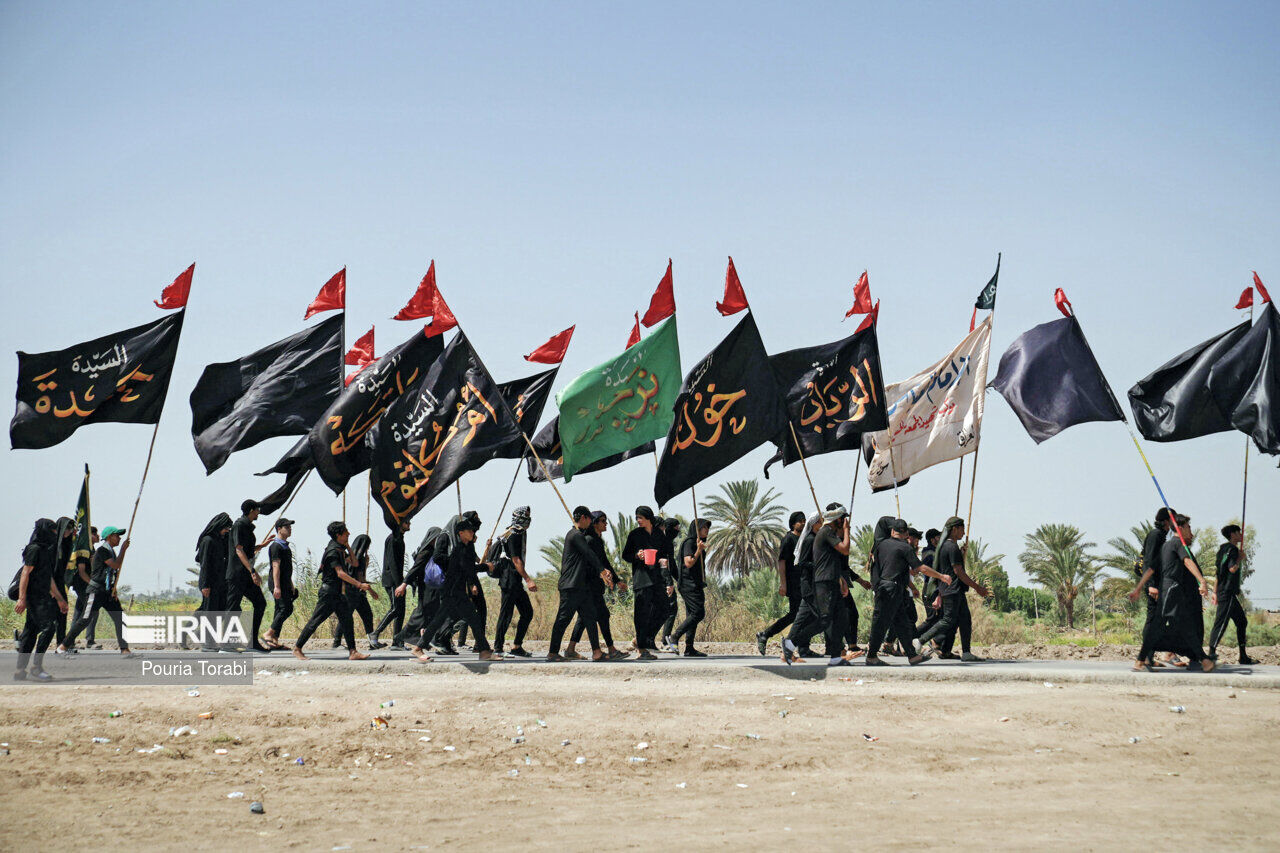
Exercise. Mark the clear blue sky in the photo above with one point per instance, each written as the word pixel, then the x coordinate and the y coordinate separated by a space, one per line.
pixel 551 157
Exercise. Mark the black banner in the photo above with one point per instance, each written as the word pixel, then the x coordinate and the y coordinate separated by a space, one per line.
pixel 453 423
pixel 337 439
pixel 281 389
pixel 118 378
pixel 547 444
pixel 1245 382
pixel 834 393
pixel 1173 403
pixel 526 398
pixel 729 405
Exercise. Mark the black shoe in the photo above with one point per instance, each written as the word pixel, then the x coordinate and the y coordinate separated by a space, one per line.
pixel 337 644
pixel 519 652
pixel 258 647
pixel 806 652
pixel 1245 660
pixel 94 646
pixel 691 652
pixel 446 650
pixel 20 675
pixel 374 644
pixel 400 647
pixel 1213 655
pixel 762 643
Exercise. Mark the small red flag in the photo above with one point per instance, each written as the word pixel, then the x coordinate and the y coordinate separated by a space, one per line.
pixel 973 320
pixel 1064 304
pixel 442 319
pixel 861 297
pixel 1246 298
pixel 735 299
pixel 871 319
pixel 361 352
pixel 332 297
pixel 1262 291
pixel 175 295
pixel 419 305
pixel 552 352
pixel 663 302
pixel 634 337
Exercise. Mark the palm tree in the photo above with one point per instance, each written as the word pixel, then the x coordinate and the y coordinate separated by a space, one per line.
pixel 746 527
pixel 987 571
pixel 860 541
pixel 619 530
pixel 1058 560
pixel 1127 553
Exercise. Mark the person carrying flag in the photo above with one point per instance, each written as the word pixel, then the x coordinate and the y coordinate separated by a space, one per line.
pixel 243 580
pixel 692 566
pixel 105 569
pixel 1148 571
pixel 598 583
pixel 1227 589
pixel 955 606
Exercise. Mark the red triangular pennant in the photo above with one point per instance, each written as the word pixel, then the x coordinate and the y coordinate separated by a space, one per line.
pixel 1064 304
pixel 361 352
pixel 332 297
pixel 735 299
pixel 634 337
pixel 1262 291
pixel 1246 298
pixel 873 316
pixel 861 297
pixel 176 294
pixel 442 319
pixel 552 352
pixel 973 320
pixel 419 305
pixel 663 302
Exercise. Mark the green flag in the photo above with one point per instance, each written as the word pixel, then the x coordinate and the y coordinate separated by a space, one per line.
pixel 987 297
pixel 623 403
pixel 84 547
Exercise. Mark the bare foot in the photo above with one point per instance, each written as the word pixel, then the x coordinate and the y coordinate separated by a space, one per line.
pixel 597 655
pixel 357 656
pixel 555 658
pixel 853 654
pixel 422 656
pixel 297 653
pixel 1208 665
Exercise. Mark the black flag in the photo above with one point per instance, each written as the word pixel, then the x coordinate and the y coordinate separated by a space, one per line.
pixel 1173 403
pixel 1245 382
pixel 453 423
pixel 281 389
pixel 337 438
pixel 729 405
pixel 547 445
pixel 526 398
pixel 120 378
pixel 1051 380
pixel 834 393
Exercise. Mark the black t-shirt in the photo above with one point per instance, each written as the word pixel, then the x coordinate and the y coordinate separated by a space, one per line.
pixel 829 565
pixel 242 536
pixel 949 558
pixel 597 548
pixel 333 559
pixel 41 561
pixel 578 561
pixel 787 556
pixel 695 576
pixel 283 553
pixel 393 560
pixel 895 559
pixel 1173 568
pixel 639 540
pixel 513 547
pixel 101 576
pixel 1228 581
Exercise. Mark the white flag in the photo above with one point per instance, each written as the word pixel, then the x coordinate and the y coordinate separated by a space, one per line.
pixel 935 415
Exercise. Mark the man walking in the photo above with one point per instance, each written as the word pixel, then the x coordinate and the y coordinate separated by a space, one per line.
pixel 280 556
pixel 80 586
pixel 391 579
pixel 1227 588
pixel 788 581
pixel 514 583
pixel 955 606
pixel 335 570
pixel 243 580
pixel 896 560
pixel 105 570
pixel 577 562
pixel 39 599
pixel 830 568
pixel 1148 571
pixel 692 566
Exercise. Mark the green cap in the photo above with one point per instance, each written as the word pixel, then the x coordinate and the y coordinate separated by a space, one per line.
pixel 111 531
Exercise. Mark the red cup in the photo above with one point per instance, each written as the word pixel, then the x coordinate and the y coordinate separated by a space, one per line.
pixel 650 556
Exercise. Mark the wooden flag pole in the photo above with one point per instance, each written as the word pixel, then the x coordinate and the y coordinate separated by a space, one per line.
pixel 1244 496
pixel 853 492
pixel 289 502
pixel 458 487
pixel 893 466
pixel 805 466
pixel 505 500
pixel 368 504
pixel 959 481
pixel 547 474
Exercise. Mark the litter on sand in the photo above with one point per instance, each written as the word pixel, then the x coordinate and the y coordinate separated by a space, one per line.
pixel 869 738
pixel 235 795
pixel 1178 709
pixel 581 759
pixel 1003 720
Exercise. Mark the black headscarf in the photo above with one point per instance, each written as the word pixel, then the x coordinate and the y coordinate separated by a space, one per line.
pixel 66 544
pixel 425 548
pixel 806 539
pixel 360 547
pixel 692 532
pixel 214 528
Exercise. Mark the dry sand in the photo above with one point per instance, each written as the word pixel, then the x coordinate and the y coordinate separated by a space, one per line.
pixel 741 760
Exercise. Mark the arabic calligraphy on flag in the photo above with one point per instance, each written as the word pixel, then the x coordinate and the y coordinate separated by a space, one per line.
pixel 934 416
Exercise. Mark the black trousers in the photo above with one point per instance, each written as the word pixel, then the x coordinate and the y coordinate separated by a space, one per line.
pixel 601 608
pixel 455 606
pixel 793 608
pixel 37 630
pixel 851 620
pixel 81 590
pixel 394 616
pixel 953 606
pixel 359 601
pixel 648 614
pixel 574 602
pixel 964 626
pixel 482 608
pixel 833 614
pixel 513 601
pixel 237 591
pixel 1228 611
pixel 331 602
pixel 98 600
pixel 215 601
pixel 695 610
pixel 889 618
pixel 413 625
pixel 808 623
pixel 283 609
pixel 59 625
pixel 672 610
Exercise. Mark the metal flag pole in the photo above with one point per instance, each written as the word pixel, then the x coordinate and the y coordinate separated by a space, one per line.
pixel 1244 496
pixel 973 474
pixel 804 465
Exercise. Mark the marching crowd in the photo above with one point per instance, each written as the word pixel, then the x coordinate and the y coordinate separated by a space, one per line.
pixel 667 565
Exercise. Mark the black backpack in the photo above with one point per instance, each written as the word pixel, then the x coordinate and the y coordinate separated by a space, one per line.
pixel 496 555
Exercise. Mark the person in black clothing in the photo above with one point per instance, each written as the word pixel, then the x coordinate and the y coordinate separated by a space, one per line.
pixel 79 576
pixel 1181 588
pixel 514 583
pixel 788 581
pixel 242 578
pixel 645 550
pixel 336 564
pixel 39 599
pixel 105 568
pixel 577 563
pixel 414 579
pixel 955 606
pixel 1227 590
pixel 475 591
pixel 692 577
pixel 391 579
pixel 830 567
pixel 455 553
pixel 598 584
pixel 850 605
pixel 929 597
pixel 1148 571
pixel 357 595
pixel 671 538
pixel 896 560
pixel 283 591
pixel 66 542
pixel 795 647
pixel 211 557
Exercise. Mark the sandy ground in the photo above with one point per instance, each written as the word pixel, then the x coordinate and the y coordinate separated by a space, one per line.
pixel 742 760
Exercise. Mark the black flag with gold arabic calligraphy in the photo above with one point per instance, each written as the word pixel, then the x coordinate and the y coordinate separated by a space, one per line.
pixel 729 405
pixel 337 439
pixel 453 423
pixel 118 378
pixel 547 445
pixel 834 393
pixel 526 398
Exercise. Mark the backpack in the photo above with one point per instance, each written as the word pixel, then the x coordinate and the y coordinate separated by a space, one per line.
pixel 16 585
pixel 496 556
pixel 432 575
